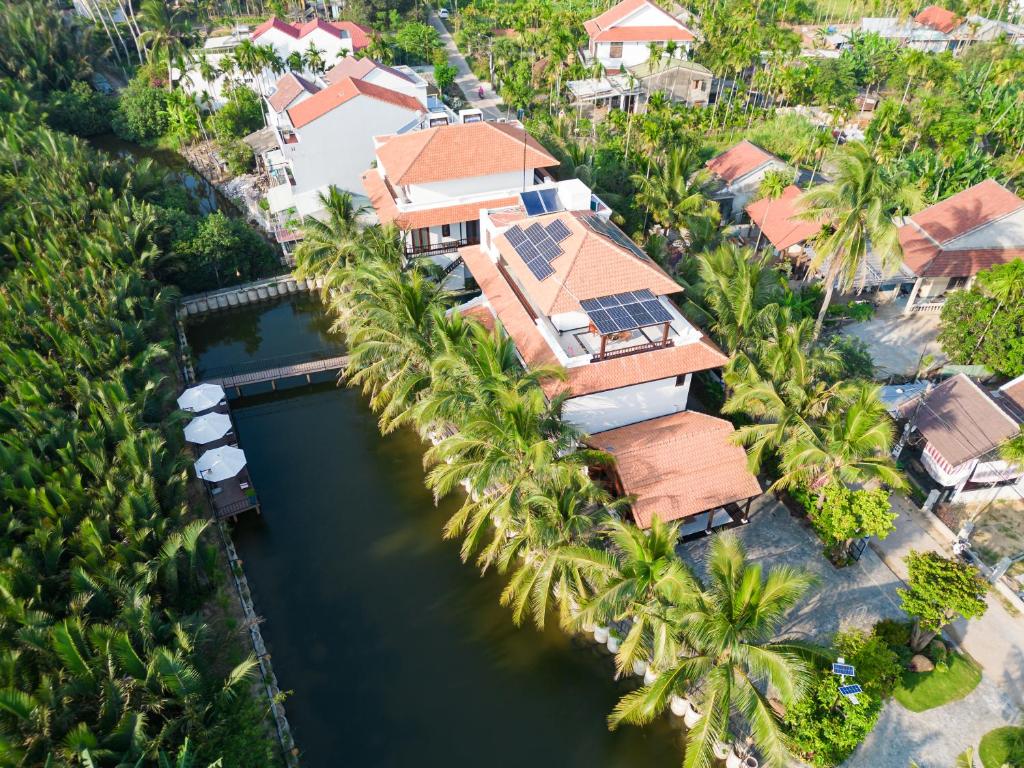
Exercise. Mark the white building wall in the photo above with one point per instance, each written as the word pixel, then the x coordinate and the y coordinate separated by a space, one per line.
pixel 632 54
pixel 448 191
pixel 627 405
pixel 337 148
pixel 386 79
pixel 745 188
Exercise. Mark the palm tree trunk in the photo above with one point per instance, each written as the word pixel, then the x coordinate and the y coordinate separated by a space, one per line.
pixel 97 13
pixel 829 287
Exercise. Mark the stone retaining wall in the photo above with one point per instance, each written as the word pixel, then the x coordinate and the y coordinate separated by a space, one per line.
pixel 243 295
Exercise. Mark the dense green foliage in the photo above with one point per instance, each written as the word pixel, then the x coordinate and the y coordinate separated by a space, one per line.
pixel 939 590
pixel 826 727
pixel 105 653
pixel 985 325
pixel 840 515
pixel 141 114
pixel 1002 746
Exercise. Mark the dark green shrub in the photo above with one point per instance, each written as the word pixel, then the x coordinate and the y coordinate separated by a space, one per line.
pixel 241 114
pixel 140 115
pixel 894 633
pixel 81 110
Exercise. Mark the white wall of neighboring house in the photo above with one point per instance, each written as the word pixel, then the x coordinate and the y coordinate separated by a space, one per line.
pixel 385 79
pixel 637 52
pixel 627 405
pixel 451 191
pixel 744 189
pixel 337 147
pixel 329 45
pixel 975 471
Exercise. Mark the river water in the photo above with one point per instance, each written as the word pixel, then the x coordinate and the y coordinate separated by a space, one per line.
pixel 395 653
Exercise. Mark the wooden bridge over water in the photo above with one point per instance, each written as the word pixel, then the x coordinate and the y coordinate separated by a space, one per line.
pixel 274 370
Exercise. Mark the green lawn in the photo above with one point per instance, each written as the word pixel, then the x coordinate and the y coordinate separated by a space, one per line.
pixel 1003 746
pixel 926 690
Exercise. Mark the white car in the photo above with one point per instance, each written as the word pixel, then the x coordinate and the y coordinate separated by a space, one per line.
pixel 442 13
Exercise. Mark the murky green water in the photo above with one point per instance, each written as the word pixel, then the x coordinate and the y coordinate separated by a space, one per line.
pixel 396 654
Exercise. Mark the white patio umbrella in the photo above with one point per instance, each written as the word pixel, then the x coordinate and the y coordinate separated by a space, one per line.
pixel 220 463
pixel 201 397
pixel 207 428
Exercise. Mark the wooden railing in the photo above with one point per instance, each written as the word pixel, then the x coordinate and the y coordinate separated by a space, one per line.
pixel 236 507
pixel 647 347
pixel 438 249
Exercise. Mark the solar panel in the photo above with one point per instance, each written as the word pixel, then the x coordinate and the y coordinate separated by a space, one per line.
pixel 515 236
pixel 625 311
pixel 532 203
pixel 558 231
pixel 608 230
pixel 549 197
pixel 540 268
pixel 850 690
pixel 846 670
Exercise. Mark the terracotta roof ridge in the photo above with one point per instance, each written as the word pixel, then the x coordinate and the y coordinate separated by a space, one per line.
pixel 980 226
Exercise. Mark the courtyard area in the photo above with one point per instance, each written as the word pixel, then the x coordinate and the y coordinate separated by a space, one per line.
pixel 898 343
pixel 860 595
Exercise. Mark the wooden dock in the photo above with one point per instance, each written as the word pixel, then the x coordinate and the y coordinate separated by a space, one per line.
pixel 273 375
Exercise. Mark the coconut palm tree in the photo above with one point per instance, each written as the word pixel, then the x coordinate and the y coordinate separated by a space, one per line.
pixel 731 662
pixel 676 193
pixel 856 210
pixel 165 30
pixel 330 244
pixel 314 59
pixel 637 578
pixel 851 445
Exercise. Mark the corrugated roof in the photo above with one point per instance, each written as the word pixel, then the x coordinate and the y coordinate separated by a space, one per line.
pixel 775 218
pixel 740 160
pixel 593 377
pixel 344 90
pixel 678 465
pixel 962 422
pixel 460 151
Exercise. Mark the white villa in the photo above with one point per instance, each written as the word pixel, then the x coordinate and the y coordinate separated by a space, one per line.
pixel 433 183
pixel 571 289
pixel 328 37
pixel 621 36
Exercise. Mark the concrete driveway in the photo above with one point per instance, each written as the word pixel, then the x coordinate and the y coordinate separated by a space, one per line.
pixel 898 342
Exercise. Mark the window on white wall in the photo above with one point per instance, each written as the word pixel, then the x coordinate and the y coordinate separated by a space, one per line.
pixel 615 51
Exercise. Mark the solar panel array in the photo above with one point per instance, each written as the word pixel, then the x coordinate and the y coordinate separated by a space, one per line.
pixel 538 245
pixel 846 670
pixel 540 201
pixel 606 229
pixel 625 311
pixel 850 690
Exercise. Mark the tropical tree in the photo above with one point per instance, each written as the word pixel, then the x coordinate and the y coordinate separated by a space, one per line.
pixel 164 34
pixel 676 193
pixel 855 208
pixel 330 244
pixel 731 662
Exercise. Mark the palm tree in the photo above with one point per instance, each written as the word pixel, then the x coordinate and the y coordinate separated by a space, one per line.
pixel 726 630
pixel 737 288
pixel 164 34
pixel 330 244
pixel 638 578
pixel 675 193
pixel 852 444
pixel 314 58
pixel 855 207
pixel 1012 451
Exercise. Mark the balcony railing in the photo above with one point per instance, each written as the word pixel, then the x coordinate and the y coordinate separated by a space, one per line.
pixel 635 349
pixel 438 249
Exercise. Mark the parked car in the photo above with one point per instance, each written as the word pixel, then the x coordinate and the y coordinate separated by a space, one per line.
pixel 443 13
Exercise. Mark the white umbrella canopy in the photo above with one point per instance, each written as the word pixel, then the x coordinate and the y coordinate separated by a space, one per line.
pixel 207 428
pixel 220 463
pixel 201 397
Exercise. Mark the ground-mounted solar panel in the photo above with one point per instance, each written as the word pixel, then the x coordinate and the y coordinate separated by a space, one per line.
pixel 515 236
pixel 850 690
pixel 846 670
pixel 558 231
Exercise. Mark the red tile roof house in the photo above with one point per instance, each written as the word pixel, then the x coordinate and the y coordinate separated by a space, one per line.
pixel 324 136
pixel 777 224
pixel 433 183
pixel 329 37
pixel 737 174
pixel 571 289
pixel 621 36
pixel 946 245
pixel 959 428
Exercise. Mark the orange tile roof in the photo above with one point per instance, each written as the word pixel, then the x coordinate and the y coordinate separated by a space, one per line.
pixel 938 18
pixel 460 151
pixel 926 235
pixel 739 160
pixel 388 212
pixel 775 219
pixel 346 89
pixel 592 377
pixel 350 66
pixel 359 34
pixel 591 266
pixel 287 90
pixel 603 29
pixel 678 465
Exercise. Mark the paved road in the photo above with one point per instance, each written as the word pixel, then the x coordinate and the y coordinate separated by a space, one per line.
pixel 491 104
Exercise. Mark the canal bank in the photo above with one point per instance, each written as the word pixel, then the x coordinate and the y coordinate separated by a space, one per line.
pixel 395 652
